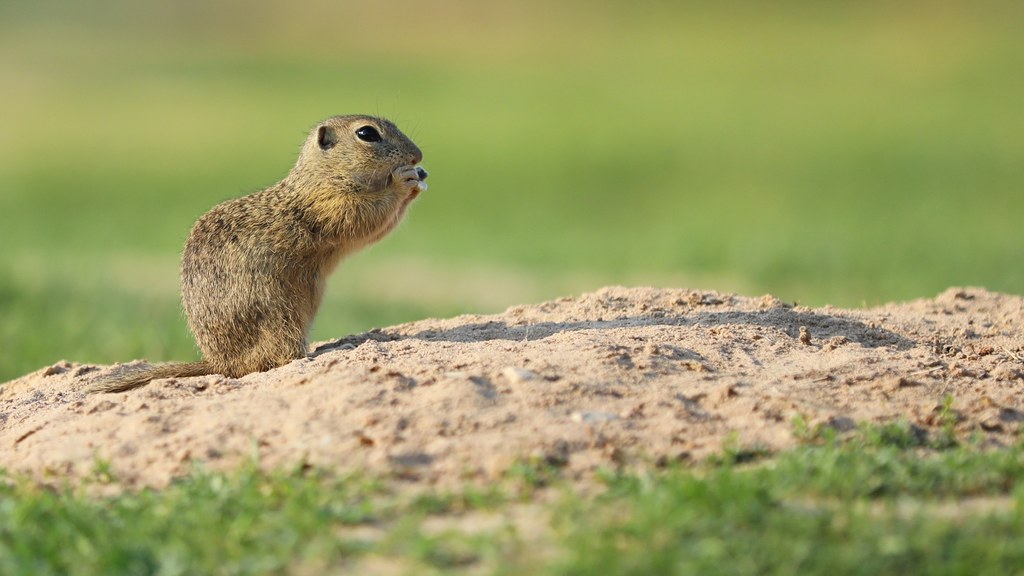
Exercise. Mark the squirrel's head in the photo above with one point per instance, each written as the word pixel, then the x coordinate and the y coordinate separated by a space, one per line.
pixel 362 150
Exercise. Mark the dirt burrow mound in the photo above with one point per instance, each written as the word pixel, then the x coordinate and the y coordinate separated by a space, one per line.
pixel 620 376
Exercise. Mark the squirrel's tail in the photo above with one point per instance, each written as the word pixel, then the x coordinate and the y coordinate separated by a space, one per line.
pixel 122 380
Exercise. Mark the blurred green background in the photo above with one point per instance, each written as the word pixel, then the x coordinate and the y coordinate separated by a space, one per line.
pixel 825 152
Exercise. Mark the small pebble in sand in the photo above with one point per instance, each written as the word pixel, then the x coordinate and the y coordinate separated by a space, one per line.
pixel 593 417
pixel 517 375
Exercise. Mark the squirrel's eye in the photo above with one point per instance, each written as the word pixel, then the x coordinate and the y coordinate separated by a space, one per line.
pixel 368 134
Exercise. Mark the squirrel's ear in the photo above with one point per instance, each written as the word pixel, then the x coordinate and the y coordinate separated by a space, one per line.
pixel 326 137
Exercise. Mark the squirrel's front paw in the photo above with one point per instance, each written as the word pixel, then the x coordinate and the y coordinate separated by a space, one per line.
pixel 412 177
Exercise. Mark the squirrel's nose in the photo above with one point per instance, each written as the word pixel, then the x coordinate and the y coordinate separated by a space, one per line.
pixel 421 173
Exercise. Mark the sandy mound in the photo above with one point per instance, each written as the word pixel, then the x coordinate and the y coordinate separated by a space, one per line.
pixel 615 377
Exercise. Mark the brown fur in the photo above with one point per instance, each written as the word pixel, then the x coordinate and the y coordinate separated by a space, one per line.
pixel 254 268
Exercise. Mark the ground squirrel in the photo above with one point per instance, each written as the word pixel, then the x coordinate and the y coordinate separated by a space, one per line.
pixel 254 268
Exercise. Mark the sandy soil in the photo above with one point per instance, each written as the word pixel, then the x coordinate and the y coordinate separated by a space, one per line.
pixel 618 377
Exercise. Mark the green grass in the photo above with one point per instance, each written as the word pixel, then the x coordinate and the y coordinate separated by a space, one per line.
pixel 815 511
pixel 877 503
pixel 823 152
